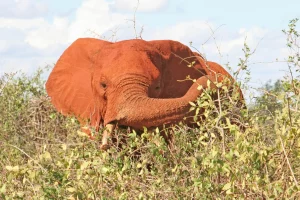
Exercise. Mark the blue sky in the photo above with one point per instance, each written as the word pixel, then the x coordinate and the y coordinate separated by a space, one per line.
pixel 34 33
pixel 233 13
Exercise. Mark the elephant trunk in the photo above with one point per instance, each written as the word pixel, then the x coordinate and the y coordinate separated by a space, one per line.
pixel 142 111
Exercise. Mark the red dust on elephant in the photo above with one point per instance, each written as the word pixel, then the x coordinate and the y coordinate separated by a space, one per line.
pixel 131 83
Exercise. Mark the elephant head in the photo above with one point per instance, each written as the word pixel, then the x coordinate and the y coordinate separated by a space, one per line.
pixel 132 83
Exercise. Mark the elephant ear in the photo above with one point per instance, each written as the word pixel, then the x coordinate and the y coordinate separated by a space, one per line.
pixel 70 82
pixel 177 58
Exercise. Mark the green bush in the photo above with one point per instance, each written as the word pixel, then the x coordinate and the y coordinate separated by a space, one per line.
pixel 234 153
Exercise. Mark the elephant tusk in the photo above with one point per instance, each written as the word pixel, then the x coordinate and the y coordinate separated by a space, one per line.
pixel 109 128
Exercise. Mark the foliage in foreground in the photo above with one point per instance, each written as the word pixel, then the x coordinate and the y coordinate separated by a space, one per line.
pixel 45 156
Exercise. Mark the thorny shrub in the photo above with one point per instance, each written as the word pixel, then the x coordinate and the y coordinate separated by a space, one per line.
pixel 234 152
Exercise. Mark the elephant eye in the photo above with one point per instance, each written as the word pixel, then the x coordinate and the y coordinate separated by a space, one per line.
pixel 103 85
pixel 157 88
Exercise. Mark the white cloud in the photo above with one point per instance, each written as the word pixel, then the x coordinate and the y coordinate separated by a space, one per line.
pixel 27 65
pixel 21 24
pixel 22 8
pixel 184 31
pixel 143 5
pixel 28 43
pixel 31 42
pixel 49 34
pixel 252 37
pixel 93 15
pixel 226 46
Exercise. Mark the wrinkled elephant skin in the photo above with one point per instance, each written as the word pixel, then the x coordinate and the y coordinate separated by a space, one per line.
pixel 132 83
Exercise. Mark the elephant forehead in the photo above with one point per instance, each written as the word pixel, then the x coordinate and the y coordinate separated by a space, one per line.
pixel 134 44
pixel 118 63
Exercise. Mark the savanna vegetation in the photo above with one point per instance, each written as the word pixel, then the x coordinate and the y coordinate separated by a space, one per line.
pixel 234 153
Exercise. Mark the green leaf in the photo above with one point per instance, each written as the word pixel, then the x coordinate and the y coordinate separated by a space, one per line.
pixel 141 196
pixel 64 147
pixel 104 170
pixel 200 87
pixel 3 189
pixel 219 85
pixel 71 189
pixel 139 165
pixel 208 83
pixel 192 103
pixel 84 165
pixel 174 169
pixel 82 134
pixel 47 155
pixel 227 186
pixel 157 130
pixel 12 168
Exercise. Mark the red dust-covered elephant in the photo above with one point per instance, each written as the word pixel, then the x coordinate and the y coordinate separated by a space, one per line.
pixel 131 83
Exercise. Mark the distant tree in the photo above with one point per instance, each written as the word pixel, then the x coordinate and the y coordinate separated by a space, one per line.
pixel 268 96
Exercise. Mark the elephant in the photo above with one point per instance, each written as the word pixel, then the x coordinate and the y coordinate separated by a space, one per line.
pixel 130 83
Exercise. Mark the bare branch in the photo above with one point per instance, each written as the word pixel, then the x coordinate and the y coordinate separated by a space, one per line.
pixel 288 162
pixel 134 23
